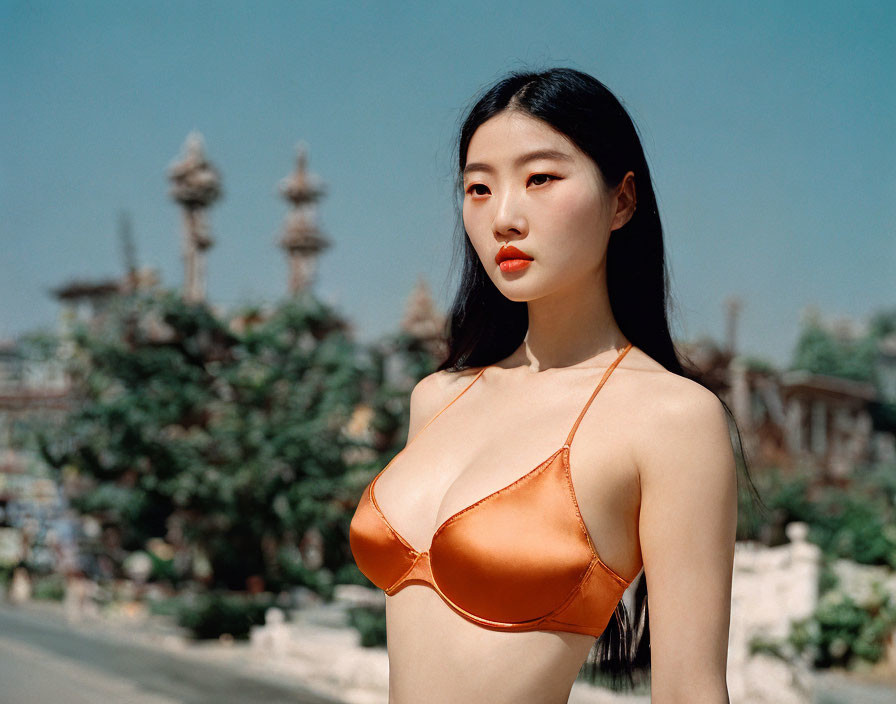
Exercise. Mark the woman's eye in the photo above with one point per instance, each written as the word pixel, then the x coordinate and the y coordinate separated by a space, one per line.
pixel 541 180
pixel 546 177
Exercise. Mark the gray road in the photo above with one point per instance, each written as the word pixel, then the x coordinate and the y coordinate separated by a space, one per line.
pixel 44 660
pixel 836 689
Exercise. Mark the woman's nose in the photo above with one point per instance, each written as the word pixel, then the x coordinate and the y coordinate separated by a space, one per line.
pixel 509 215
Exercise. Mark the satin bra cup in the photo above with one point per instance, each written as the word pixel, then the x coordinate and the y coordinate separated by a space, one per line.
pixel 518 559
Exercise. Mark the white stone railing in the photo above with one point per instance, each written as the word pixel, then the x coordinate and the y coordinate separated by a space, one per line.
pixel 771 587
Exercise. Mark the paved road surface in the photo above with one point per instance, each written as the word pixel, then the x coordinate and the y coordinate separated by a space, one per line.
pixel 836 689
pixel 42 660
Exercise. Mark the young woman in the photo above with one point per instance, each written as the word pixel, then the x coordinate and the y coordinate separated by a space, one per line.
pixel 505 533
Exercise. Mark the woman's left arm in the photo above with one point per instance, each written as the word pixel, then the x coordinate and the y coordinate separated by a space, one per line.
pixel 687 527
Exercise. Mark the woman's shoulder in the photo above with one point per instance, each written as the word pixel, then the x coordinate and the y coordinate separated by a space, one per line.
pixel 678 416
pixel 663 391
pixel 671 406
pixel 435 390
pixel 437 384
pixel 678 396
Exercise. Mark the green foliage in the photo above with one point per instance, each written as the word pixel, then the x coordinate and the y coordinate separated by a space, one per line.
pixel 856 527
pixel 162 569
pixel 857 522
pixel 820 352
pixel 166 606
pixel 237 428
pixel 128 503
pixel 882 323
pixel 786 498
pixel 39 345
pixel 370 623
pixel 350 574
pixel 49 587
pixel 758 364
pixel 294 572
pixel 215 614
pixel 841 631
pixel 391 401
pixel 883 414
pixel 769 646
pixel 5 575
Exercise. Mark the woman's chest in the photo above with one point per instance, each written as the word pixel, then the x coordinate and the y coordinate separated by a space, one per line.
pixel 524 482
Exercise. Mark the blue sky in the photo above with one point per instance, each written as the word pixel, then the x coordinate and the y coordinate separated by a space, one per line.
pixel 769 128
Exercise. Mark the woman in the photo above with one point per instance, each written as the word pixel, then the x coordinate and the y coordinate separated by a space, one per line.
pixel 503 553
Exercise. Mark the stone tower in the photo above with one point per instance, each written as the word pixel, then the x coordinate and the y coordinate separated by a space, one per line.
pixel 195 184
pixel 733 306
pixel 301 239
pixel 423 321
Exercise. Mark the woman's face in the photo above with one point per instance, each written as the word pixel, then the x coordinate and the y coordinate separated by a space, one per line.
pixel 528 185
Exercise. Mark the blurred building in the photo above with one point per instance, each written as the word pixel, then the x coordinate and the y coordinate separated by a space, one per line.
pixel 34 390
pixel 795 417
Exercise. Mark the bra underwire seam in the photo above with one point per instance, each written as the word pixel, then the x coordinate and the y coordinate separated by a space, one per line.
pixel 563 604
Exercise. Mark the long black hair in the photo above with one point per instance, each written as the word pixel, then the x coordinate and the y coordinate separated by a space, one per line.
pixel 484 326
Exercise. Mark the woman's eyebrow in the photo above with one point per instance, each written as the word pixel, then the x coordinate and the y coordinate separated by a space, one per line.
pixel 531 156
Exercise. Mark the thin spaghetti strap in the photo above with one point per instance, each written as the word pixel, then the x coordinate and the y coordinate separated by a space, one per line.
pixel 594 393
pixel 452 401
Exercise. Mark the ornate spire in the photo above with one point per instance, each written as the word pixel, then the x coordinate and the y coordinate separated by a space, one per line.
pixel 302 239
pixel 195 184
pixel 421 318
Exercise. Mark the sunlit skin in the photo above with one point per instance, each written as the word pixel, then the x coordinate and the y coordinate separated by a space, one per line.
pixel 651 464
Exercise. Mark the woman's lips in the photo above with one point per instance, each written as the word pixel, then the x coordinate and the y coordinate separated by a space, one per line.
pixel 514 264
pixel 512 259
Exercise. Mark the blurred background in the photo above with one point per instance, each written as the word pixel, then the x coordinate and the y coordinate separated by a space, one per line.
pixel 225 260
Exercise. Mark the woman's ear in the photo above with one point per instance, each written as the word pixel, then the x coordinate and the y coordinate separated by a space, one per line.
pixel 626 201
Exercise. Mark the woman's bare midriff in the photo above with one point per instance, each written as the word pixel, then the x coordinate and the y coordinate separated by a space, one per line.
pixel 438 657
pixel 509 424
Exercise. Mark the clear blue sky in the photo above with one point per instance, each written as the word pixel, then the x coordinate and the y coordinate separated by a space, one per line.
pixel 769 127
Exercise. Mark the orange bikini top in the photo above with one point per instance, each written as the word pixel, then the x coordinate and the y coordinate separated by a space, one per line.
pixel 519 559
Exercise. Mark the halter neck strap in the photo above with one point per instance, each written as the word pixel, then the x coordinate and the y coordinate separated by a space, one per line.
pixel 594 393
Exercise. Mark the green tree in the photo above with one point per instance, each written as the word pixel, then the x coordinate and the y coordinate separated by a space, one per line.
pixel 820 352
pixel 237 428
